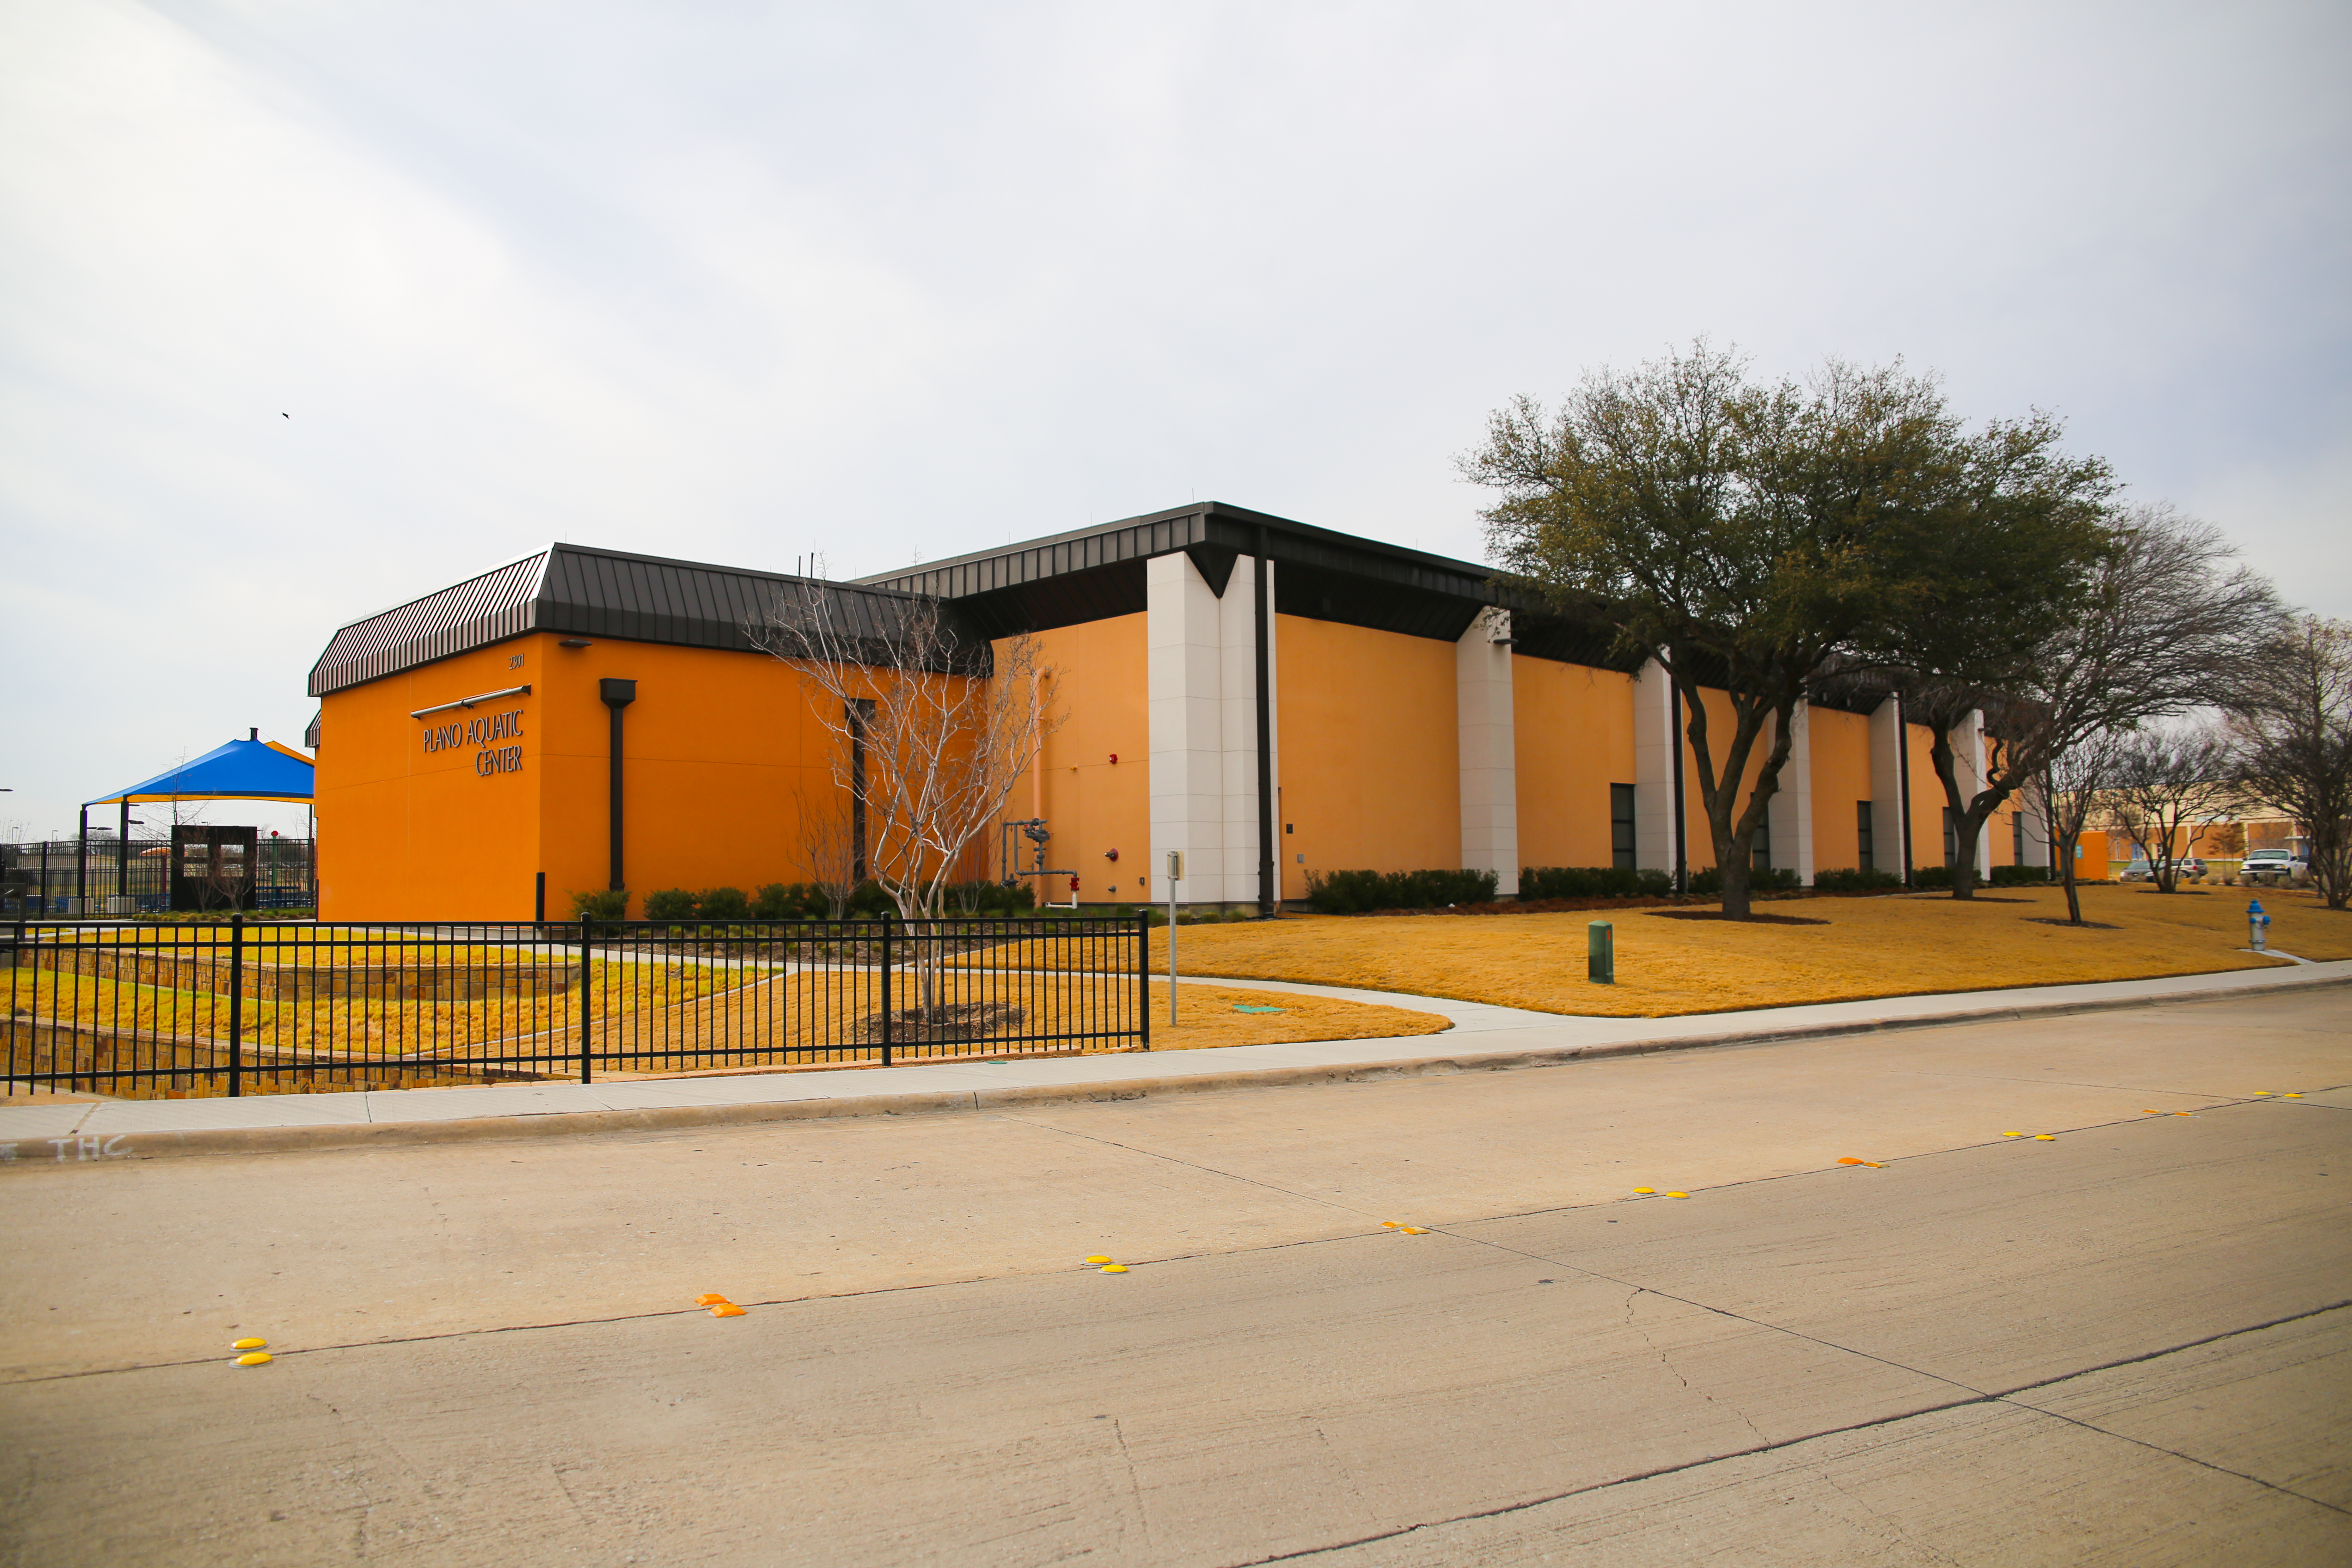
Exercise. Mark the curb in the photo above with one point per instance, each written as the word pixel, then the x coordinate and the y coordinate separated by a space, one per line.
pixel 92 1149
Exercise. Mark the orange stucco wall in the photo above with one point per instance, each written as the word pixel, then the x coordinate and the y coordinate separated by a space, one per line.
pixel 408 834
pixel 720 748
pixel 1371 772
pixel 1840 758
pixel 1095 685
pixel 1573 738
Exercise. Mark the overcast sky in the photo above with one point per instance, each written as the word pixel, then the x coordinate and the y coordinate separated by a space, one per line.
pixel 307 308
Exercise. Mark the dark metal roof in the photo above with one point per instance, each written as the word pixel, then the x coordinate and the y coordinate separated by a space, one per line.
pixel 1097 573
pixel 610 594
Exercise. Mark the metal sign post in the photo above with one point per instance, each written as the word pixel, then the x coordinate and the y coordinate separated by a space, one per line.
pixel 1175 875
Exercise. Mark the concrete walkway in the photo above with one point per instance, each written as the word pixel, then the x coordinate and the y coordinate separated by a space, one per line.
pixel 1483 1038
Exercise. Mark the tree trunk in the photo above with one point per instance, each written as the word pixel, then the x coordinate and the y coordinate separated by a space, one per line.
pixel 1969 816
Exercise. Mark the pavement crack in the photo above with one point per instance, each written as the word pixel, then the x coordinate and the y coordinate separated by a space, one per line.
pixel 1875 1422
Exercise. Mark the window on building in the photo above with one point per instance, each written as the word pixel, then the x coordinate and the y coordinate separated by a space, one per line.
pixel 1951 838
pixel 2017 837
pixel 1760 852
pixel 1865 846
pixel 1621 825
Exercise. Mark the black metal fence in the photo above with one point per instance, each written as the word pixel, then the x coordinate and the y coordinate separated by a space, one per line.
pixel 255 1007
pixel 109 876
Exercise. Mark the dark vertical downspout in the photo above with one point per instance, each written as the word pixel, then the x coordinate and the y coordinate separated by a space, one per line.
pixel 81 866
pixel 1903 781
pixel 122 852
pixel 1269 891
pixel 617 694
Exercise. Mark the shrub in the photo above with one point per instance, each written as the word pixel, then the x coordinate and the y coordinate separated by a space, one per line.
pixel 1763 880
pixel 1352 893
pixel 2019 875
pixel 723 904
pixel 1855 880
pixel 602 904
pixel 1593 882
pixel 990 897
pixel 781 902
pixel 670 904
pixel 1931 876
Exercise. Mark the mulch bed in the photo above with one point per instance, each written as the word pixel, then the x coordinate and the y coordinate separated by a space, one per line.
pixel 1742 920
pixel 2070 925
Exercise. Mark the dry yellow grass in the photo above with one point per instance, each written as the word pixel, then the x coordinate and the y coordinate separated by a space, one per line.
pixel 1869 947
pixel 1206 1017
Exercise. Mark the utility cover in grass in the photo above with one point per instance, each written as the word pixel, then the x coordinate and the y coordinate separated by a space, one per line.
pixel 1245 1007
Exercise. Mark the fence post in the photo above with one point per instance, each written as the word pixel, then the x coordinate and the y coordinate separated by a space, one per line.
pixel 888 920
pixel 587 1004
pixel 236 1006
pixel 1143 971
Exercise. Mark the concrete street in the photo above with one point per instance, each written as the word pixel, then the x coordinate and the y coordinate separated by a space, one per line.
pixel 2131 1345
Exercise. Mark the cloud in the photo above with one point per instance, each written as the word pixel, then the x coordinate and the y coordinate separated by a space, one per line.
pixel 738 282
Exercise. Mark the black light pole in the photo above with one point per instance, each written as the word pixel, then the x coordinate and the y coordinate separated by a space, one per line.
pixel 1269 889
pixel 122 853
pixel 617 694
pixel 81 866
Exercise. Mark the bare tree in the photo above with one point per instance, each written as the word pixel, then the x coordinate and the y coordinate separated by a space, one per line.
pixel 2169 785
pixel 2073 776
pixel 930 729
pixel 829 846
pixel 2167 624
pixel 2294 729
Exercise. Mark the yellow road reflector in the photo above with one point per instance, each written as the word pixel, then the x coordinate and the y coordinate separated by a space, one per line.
pixel 1850 1160
pixel 2043 1138
pixel 1412 1230
pixel 2260 1093
pixel 2150 1111
pixel 2182 1113
pixel 248 1344
pixel 1873 1164
pixel 2293 1095
pixel 1097 1257
pixel 1113 1268
pixel 1651 1192
pixel 1389 1224
pixel 1677 1194
pixel 712 1299
pixel 254 1358
pixel 727 1309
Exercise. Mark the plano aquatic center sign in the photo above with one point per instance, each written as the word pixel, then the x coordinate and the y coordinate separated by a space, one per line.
pixel 484 731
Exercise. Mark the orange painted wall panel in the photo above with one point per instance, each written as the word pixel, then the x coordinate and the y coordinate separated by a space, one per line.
pixel 1840 755
pixel 716 747
pixel 1372 771
pixel 1096 683
pixel 406 833
pixel 1574 738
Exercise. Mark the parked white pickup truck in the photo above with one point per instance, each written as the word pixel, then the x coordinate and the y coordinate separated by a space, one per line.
pixel 2274 868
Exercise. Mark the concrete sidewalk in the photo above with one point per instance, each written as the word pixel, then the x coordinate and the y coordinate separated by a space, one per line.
pixel 1483 1038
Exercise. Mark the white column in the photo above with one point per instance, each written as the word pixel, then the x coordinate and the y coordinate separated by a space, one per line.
pixel 1486 738
pixel 1657 746
pixel 1184 656
pixel 2035 809
pixel 1201 652
pixel 1886 823
pixel 1791 810
pixel 1968 768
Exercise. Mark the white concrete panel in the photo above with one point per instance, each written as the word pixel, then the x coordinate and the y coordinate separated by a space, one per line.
pixel 1202 702
pixel 1790 812
pixel 1887 820
pixel 1487 742
pixel 1656 744
pixel 1968 768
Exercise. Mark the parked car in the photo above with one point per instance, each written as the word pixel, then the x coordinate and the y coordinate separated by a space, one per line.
pixel 2274 866
pixel 2188 868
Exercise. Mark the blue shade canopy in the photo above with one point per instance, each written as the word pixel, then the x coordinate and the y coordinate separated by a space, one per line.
pixel 240 770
